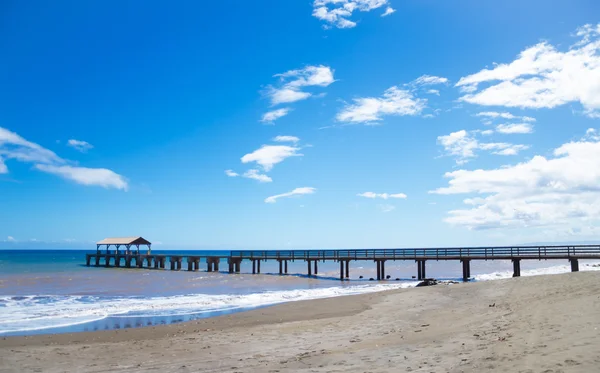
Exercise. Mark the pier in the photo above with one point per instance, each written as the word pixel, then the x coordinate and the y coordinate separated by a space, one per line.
pixel 420 256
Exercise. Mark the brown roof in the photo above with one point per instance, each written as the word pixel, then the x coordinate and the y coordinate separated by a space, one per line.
pixel 124 241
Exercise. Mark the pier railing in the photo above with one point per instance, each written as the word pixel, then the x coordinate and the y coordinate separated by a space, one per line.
pixel 506 252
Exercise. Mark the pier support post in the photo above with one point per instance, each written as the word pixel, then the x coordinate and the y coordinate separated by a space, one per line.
pixel 378 269
pixel 190 265
pixel 238 264
pixel 341 270
pixel 97 260
pixel 516 267
pixel 172 264
pixel 253 266
pixel 574 265
pixel 280 267
pixel 156 263
pixel 466 269
pixel 309 268
pixel 258 267
pixel 421 270
pixel 316 268
pixel 383 269
pixel 162 262
pixel 285 267
pixel 347 269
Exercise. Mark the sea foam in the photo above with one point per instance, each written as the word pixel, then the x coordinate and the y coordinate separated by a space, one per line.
pixel 21 314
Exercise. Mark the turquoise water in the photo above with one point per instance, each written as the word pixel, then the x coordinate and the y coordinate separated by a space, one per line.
pixel 52 291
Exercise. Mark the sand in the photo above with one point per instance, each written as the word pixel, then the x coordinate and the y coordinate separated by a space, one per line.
pixel 534 324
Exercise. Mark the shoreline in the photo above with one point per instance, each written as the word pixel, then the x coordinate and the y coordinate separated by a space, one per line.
pixel 195 305
pixel 540 323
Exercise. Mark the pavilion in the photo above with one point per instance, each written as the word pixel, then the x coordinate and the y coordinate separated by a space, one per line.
pixel 123 241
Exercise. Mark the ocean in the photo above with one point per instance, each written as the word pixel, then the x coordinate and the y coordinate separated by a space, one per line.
pixel 52 291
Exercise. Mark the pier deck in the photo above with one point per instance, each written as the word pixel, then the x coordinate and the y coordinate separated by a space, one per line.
pixel 572 253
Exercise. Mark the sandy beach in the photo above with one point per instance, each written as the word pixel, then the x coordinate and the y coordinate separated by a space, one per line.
pixel 529 324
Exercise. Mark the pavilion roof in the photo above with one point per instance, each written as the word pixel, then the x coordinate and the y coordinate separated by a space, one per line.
pixel 124 241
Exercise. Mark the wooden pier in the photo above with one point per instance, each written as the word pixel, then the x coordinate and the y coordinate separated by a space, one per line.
pixel 234 259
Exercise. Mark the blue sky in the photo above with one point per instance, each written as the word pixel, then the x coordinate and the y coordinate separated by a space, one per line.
pixel 299 124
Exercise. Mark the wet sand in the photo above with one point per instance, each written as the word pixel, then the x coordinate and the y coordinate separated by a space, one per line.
pixel 534 324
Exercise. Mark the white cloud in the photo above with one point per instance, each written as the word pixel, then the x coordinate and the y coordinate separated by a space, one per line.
pixel 429 80
pixel 459 144
pixel 295 192
pixel 386 207
pixel 321 76
pixel 293 81
pixel 15 147
pixel 514 128
pixel 272 116
pixel 10 239
pixel 389 10
pixel 542 77
pixel 561 190
pixel 503 115
pixel 487 132
pixel 336 13
pixel 287 95
pixel 463 145
pixel 395 101
pixel 293 139
pixel 503 148
pixel 231 173
pixel 82 146
pixel 433 92
pixel 381 195
pixel 87 176
pixel 269 155
pixel 256 175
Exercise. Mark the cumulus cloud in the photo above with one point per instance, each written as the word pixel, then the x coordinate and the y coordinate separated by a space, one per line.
pixel 269 155
pixel 273 115
pixel 231 173
pixel 82 146
pixel 336 13
pixel 542 76
pixel 293 139
pixel 15 147
pixel 381 195
pixel 463 145
pixel 561 190
pixel 86 176
pixel 295 192
pixel 395 101
pixel 514 128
